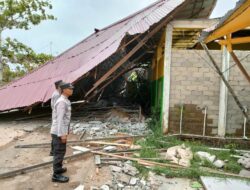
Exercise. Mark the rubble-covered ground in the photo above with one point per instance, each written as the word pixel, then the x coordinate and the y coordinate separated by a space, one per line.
pixel 113 173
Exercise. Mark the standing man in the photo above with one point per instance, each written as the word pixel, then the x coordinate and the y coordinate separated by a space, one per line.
pixel 60 131
pixel 55 96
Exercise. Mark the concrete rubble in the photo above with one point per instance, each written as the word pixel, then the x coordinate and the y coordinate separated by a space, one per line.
pixel 245 173
pixel 180 155
pixel 125 177
pixel 105 129
pixel 245 160
pixel 205 156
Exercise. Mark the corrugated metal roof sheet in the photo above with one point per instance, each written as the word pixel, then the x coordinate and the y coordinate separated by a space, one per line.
pixel 38 85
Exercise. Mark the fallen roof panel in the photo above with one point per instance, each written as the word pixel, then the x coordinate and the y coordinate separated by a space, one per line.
pixel 37 86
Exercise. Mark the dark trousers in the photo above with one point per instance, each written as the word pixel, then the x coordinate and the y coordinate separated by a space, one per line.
pixel 52 146
pixel 59 152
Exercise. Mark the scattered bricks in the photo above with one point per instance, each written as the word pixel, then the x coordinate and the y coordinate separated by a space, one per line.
pixel 116 169
pixel 133 181
pixel 128 169
pixel 123 178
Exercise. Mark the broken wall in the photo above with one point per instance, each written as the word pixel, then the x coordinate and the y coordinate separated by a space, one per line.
pixel 195 85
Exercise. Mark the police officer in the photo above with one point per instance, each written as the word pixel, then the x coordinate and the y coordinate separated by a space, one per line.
pixel 60 131
pixel 55 96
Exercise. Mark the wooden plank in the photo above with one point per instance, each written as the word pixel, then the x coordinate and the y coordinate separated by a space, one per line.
pixel 241 67
pixel 140 161
pixel 47 144
pixel 107 143
pixel 81 148
pixel 82 135
pixel 225 149
pixel 239 40
pixel 29 168
pixel 194 23
pixel 125 70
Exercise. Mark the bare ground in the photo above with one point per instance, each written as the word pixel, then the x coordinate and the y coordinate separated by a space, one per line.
pixel 80 171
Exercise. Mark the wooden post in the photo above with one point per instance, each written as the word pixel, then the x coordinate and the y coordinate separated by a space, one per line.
pixel 166 81
pixel 223 93
pixel 241 67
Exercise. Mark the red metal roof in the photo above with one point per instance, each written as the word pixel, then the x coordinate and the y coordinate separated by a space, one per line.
pixel 38 85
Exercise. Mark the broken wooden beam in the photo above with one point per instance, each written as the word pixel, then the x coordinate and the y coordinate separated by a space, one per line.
pixel 29 168
pixel 47 144
pixel 116 138
pixel 82 135
pixel 139 45
pixel 107 143
pixel 241 67
pixel 139 161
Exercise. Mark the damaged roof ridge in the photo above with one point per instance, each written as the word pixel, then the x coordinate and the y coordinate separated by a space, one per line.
pixel 78 54
pixel 133 15
pixel 81 42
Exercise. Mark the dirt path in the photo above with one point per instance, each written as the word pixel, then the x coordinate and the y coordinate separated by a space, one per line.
pixel 80 171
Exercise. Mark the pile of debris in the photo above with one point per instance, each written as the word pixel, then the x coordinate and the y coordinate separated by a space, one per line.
pixel 205 156
pixel 125 176
pixel 105 129
pixel 181 155
pixel 245 160
pixel 112 122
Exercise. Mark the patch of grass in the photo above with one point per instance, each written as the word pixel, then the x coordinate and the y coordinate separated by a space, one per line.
pixel 192 173
pixel 233 166
pixel 143 170
pixel 148 153
pixel 157 141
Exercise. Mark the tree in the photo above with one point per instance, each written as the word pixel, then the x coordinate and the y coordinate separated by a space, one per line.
pixel 20 56
pixel 20 14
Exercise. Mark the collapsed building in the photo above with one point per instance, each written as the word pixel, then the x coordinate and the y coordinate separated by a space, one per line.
pixel 153 59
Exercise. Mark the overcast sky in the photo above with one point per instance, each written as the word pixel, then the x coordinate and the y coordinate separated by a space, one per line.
pixel 76 19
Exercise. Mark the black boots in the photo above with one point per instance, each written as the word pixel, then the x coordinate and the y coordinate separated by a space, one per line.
pixel 62 170
pixel 57 177
pixel 60 178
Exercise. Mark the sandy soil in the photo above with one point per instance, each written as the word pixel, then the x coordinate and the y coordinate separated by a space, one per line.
pixel 80 171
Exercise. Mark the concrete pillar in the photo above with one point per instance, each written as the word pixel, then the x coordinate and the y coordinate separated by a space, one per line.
pixel 223 93
pixel 167 82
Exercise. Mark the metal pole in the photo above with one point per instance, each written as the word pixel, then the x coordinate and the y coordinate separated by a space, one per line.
pixel 244 130
pixel 181 118
pixel 244 127
pixel 205 121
